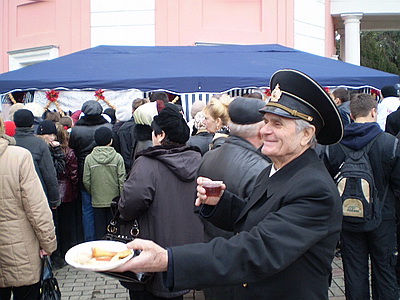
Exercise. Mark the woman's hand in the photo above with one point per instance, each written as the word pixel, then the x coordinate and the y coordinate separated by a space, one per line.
pixel 54 144
pixel 43 253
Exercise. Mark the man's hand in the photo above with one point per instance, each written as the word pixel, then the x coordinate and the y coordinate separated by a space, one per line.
pixel 202 198
pixel 153 258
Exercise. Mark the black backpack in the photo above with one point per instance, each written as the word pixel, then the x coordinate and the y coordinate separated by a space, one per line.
pixel 362 206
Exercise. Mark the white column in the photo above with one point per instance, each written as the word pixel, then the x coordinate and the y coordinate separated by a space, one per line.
pixel 352 37
pixel 342 43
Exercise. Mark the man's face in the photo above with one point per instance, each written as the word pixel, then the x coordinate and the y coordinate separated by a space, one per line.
pixel 281 142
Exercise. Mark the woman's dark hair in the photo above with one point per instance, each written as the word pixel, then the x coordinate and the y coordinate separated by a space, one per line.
pixel 159 96
pixel 157 131
pixel 62 137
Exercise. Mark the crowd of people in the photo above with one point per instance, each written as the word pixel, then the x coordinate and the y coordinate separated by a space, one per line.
pixel 278 219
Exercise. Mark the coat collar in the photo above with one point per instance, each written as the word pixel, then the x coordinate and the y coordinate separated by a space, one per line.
pixel 237 140
pixel 267 186
pixel 165 149
pixel 5 141
pixel 241 142
pixel 20 131
pixel 91 120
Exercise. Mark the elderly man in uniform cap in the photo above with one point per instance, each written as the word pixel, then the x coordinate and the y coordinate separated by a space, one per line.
pixel 288 229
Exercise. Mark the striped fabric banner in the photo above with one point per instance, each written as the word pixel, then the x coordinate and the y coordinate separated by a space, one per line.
pixel 188 99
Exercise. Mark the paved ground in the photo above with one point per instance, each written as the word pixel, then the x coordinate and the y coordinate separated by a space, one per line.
pixel 76 285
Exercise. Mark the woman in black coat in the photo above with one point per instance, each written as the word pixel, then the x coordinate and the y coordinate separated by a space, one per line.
pixel 160 193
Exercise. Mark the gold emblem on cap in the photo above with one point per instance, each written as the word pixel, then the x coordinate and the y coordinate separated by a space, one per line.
pixel 276 94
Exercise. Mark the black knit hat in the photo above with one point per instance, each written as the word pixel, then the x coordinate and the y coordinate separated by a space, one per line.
pixel 46 127
pixel 171 121
pixel 23 118
pixel 103 136
pixel 389 91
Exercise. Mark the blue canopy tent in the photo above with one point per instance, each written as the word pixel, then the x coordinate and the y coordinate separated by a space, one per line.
pixel 185 69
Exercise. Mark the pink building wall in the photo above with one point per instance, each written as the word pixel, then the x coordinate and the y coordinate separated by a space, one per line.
pixel 330 47
pixel 66 24
pixel 27 24
pixel 182 22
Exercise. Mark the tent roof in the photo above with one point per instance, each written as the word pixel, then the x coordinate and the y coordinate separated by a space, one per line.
pixel 185 69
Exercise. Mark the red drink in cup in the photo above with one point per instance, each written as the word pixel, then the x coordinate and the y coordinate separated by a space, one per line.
pixel 213 188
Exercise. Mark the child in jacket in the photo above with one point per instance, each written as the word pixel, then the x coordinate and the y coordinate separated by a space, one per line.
pixel 103 178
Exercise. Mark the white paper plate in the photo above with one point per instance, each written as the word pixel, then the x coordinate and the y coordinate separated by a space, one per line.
pixel 76 252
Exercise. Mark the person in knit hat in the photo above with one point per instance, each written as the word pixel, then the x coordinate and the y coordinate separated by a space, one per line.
pixel 167 218
pixel 103 178
pixel 48 132
pixel 144 115
pixel 110 112
pixel 47 127
pixel 125 139
pixel 43 161
pixel 172 125
pixel 122 115
pixel 13 109
pixel 10 125
pixel 389 104
pixel 37 111
pixel 23 118
pixel 82 141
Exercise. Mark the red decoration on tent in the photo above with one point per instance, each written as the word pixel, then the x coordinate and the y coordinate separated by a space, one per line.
pixel 375 93
pixel 52 96
pixel 99 96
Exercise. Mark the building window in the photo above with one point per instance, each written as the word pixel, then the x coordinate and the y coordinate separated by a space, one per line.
pixel 25 57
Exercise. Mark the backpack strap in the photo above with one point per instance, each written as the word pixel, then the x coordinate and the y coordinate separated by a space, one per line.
pixel 395 144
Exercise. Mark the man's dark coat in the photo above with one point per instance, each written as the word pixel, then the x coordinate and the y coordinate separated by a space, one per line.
pixel 287 233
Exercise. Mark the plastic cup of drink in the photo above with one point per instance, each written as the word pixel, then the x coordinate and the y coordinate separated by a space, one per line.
pixel 213 188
